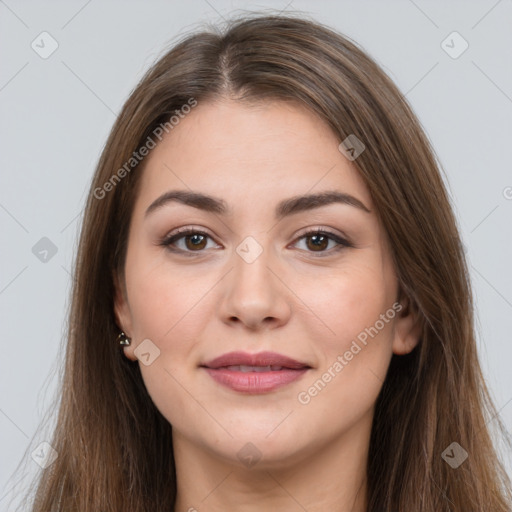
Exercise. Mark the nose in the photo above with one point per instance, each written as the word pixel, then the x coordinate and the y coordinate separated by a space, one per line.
pixel 254 294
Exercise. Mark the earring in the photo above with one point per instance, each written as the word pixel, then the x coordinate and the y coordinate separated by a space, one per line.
pixel 123 339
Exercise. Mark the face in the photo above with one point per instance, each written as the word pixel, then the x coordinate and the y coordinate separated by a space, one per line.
pixel 296 297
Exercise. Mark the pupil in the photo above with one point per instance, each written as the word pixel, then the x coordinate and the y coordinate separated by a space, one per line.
pixel 196 240
pixel 320 239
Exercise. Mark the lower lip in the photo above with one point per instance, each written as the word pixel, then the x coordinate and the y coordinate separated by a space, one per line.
pixel 255 382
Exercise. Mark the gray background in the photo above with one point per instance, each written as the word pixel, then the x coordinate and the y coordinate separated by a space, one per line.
pixel 56 114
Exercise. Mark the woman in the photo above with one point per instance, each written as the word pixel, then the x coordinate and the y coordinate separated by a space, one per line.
pixel 271 306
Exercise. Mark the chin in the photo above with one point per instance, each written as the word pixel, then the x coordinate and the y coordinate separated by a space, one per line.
pixel 256 450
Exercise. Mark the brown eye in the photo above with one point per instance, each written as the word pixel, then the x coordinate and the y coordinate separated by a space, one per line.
pixel 195 241
pixel 187 241
pixel 317 242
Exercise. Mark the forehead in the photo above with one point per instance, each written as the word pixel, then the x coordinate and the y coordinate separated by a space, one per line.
pixel 233 149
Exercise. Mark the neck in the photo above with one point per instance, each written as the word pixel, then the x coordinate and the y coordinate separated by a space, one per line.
pixel 331 477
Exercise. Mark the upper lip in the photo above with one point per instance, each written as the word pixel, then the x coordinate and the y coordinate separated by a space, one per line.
pixel 259 359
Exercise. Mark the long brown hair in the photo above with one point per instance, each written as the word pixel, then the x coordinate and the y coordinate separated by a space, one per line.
pixel 115 448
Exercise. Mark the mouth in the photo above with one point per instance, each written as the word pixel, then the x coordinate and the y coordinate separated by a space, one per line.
pixel 246 369
pixel 254 373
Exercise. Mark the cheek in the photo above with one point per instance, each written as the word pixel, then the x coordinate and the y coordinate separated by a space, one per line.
pixel 168 308
pixel 347 302
pixel 354 360
pixel 164 303
pixel 356 347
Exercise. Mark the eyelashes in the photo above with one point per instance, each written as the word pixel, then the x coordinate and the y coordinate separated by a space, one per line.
pixel 318 238
pixel 185 233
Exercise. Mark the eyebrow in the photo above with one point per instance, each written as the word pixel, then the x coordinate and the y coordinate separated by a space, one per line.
pixel 290 206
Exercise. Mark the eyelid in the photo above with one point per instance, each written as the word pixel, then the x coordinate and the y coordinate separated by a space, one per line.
pixel 323 230
pixel 187 230
pixel 182 232
pixel 342 240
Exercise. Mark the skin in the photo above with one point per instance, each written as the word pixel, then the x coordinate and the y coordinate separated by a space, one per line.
pixel 290 300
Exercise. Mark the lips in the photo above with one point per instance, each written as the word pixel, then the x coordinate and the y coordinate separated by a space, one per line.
pixel 262 359
pixel 254 373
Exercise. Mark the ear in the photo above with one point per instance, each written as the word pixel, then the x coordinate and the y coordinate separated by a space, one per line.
pixel 123 314
pixel 407 328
